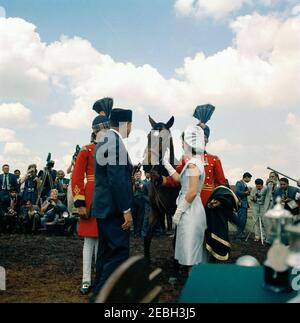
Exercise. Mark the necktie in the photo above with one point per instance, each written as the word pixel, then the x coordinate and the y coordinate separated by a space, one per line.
pixel 5 183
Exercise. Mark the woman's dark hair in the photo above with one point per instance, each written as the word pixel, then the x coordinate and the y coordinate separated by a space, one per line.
pixel 192 149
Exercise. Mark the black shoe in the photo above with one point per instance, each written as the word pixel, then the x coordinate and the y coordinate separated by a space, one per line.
pixel 85 289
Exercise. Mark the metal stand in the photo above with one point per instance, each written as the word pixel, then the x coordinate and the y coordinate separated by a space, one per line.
pixel 260 229
pixel 46 174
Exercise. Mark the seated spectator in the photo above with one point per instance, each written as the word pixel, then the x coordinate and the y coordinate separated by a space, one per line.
pixel 10 208
pixel 54 210
pixel 56 213
pixel 31 217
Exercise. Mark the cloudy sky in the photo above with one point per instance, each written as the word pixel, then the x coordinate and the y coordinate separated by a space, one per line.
pixel 158 57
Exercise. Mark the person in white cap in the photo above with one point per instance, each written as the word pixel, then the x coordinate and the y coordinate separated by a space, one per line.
pixel 190 216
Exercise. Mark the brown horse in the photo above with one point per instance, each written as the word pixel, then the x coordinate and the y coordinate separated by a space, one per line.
pixel 162 199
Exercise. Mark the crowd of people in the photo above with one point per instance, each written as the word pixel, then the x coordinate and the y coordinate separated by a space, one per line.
pixel 107 197
pixel 36 201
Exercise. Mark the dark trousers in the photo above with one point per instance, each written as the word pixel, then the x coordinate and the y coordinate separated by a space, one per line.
pixel 242 220
pixel 138 214
pixel 113 250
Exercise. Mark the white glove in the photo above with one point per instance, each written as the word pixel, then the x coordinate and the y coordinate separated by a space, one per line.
pixel 170 169
pixel 181 208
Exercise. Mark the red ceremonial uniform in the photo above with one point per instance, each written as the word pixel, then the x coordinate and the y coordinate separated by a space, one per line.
pixel 83 181
pixel 214 176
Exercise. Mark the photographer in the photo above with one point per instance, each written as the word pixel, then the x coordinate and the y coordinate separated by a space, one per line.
pixel 61 184
pixel 289 196
pixel 31 185
pixel 257 197
pixel 54 210
pixel 243 192
pixel 49 175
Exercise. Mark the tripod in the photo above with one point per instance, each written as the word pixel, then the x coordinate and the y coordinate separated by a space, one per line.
pixel 258 220
pixel 46 175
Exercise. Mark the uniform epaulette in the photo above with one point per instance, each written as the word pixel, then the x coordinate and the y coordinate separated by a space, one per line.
pixel 84 148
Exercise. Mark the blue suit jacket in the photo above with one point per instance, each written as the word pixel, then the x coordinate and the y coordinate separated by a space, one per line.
pixel 12 181
pixel 113 192
pixel 291 193
pixel 240 192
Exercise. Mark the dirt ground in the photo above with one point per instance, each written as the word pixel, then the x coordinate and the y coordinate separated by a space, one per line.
pixel 47 269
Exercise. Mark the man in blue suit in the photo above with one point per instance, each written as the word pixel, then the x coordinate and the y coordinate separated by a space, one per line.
pixel 8 182
pixel 242 191
pixel 289 196
pixel 113 196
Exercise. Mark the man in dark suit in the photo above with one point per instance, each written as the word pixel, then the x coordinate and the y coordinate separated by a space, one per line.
pixel 243 192
pixel 289 196
pixel 113 196
pixel 8 182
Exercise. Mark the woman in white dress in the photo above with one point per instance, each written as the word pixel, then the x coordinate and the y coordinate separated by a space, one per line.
pixel 190 216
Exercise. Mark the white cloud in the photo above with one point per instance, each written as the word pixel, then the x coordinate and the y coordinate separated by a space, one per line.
pixel 7 135
pixel 21 62
pixel 291 119
pixel 293 123
pixel 184 7
pixel 15 115
pixel 253 72
pixel 296 10
pixel 261 69
pixel 223 145
pixel 219 9
pixel 16 149
pixel 207 8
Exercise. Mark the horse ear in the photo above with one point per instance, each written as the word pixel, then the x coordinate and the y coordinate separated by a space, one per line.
pixel 170 123
pixel 152 122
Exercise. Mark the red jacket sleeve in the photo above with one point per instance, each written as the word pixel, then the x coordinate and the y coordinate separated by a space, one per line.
pixel 219 173
pixel 78 177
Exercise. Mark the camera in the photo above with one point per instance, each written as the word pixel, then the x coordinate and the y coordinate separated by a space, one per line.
pixel 77 150
pixel 50 163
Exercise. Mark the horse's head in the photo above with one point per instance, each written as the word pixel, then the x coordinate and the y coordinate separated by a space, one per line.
pixel 159 126
pixel 159 140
